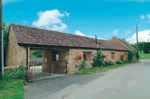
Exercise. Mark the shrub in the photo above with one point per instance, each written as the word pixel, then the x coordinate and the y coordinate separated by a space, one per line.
pixel 108 63
pixel 98 60
pixel 84 64
pixel 16 73
pixel 137 56
pixel 130 55
pixel 119 62
pixel 125 61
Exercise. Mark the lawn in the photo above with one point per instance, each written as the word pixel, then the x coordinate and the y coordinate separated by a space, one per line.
pixel 101 69
pixel 13 89
pixel 144 55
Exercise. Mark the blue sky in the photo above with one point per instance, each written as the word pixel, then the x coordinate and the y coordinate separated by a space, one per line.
pixel 104 18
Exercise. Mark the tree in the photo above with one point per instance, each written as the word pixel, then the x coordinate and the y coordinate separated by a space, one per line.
pixel 98 60
pixel 130 55
pixel 5 28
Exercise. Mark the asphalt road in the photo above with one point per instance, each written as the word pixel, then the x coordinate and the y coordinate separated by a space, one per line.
pixel 129 82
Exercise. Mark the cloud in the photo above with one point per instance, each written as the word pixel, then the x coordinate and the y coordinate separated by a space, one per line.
pixel 51 19
pixel 127 32
pixel 142 37
pixel 142 16
pixel 148 16
pixel 115 32
pixel 25 21
pixel 66 13
pixel 78 32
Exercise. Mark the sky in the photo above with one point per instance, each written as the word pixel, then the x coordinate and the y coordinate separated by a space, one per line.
pixel 104 18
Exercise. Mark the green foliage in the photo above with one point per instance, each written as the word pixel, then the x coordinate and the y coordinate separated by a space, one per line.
pixel 146 47
pixel 137 56
pixel 130 55
pixel 98 60
pixel 108 63
pixel 36 53
pixel 84 64
pixel 17 74
pixel 5 28
pixel 119 62
pixel 140 46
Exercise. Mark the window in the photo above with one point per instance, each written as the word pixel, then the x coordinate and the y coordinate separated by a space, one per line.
pixel 87 56
pixel 112 55
pixel 55 56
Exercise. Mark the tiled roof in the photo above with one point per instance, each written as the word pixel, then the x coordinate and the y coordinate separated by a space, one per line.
pixel 30 35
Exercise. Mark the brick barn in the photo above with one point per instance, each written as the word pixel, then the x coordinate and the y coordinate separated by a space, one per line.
pixel 61 51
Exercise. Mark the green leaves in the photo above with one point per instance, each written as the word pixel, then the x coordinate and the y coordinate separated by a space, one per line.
pixel 98 60
pixel 5 28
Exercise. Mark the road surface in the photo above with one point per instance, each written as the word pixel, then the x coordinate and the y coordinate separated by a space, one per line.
pixel 129 82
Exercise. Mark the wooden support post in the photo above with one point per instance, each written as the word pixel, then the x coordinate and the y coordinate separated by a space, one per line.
pixel 28 54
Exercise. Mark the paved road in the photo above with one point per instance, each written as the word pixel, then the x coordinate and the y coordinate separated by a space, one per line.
pixel 129 82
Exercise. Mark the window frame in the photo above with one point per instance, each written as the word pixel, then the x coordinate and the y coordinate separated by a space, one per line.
pixel 113 55
pixel 87 54
pixel 54 56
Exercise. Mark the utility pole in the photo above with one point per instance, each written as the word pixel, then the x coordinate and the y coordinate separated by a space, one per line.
pixel 1 38
pixel 137 37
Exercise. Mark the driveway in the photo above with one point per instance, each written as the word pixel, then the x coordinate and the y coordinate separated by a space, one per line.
pixel 130 82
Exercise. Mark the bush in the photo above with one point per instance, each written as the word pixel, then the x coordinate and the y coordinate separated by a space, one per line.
pixel 125 61
pixel 84 64
pixel 130 55
pixel 108 63
pixel 98 60
pixel 19 73
pixel 137 56
pixel 119 62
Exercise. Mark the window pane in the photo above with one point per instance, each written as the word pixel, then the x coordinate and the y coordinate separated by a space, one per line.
pixel 57 57
pixel 89 56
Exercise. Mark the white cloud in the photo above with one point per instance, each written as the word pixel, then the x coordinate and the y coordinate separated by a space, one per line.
pixel 78 32
pixel 127 32
pixel 51 19
pixel 25 21
pixel 142 16
pixel 142 37
pixel 115 32
pixel 66 13
pixel 148 16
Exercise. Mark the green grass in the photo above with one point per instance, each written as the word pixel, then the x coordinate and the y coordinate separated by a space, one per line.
pixel 144 55
pixel 101 69
pixel 13 89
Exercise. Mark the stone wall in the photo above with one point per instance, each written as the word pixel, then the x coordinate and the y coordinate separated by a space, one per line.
pixel 72 66
pixel 73 63
pixel 16 55
pixel 108 54
pixel 51 66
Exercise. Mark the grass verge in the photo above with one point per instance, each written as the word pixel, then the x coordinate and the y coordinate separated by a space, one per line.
pixel 13 89
pixel 102 69
pixel 144 55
